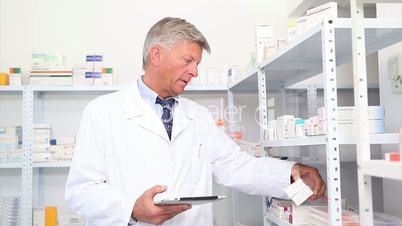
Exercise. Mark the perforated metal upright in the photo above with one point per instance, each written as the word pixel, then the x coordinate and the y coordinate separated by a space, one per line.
pixel 361 107
pixel 26 185
pixel 262 110
pixel 262 103
pixel 232 126
pixel 361 102
pixel 331 103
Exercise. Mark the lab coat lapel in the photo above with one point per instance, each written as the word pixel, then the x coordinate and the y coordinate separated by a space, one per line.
pixel 137 110
pixel 183 114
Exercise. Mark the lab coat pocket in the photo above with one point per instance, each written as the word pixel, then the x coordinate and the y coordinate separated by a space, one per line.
pixel 197 160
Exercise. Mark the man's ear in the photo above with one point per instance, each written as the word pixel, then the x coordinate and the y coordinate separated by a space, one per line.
pixel 155 55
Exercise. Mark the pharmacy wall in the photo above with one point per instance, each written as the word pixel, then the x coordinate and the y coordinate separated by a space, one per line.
pixel 117 30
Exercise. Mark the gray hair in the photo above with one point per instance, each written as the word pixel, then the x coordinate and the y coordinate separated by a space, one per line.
pixel 169 31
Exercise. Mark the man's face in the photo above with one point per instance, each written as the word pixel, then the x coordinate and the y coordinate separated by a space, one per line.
pixel 178 66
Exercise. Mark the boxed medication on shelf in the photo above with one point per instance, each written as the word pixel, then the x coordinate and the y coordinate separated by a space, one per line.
pixel 10 142
pixel 349 127
pixel 300 215
pixel 393 156
pixel 44 147
pixel 285 127
pixel 52 81
pixel 281 209
pixel 44 61
pixel 265 42
pixel 313 126
pixel 41 126
pixel 41 157
pixel 382 219
pixel 4 79
pixel 300 128
pixel 319 216
pixel 349 113
pixel 11 131
pixel 316 15
pixel 79 78
pixel 70 220
pixel 45 216
pixel 52 77
pixel 15 156
pixel 9 211
pixel 296 27
pixel 3 156
pixel 271 130
pixel 67 140
pixel 15 77
pixel 94 61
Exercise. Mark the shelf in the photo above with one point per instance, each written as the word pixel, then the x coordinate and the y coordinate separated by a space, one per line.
pixel 75 88
pixel 10 165
pixel 11 88
pixel 247 83
pixel 300 7
pixel 302 58
pixel 383 169
pixel 206 88
pixel 51 165
pixel 272 218
pixel 382 138
pixel 107 88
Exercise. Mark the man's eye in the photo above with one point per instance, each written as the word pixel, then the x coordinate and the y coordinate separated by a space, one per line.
pixel 187 61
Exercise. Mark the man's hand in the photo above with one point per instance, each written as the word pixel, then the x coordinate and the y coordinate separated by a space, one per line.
pixel 146 211
pixel 311 177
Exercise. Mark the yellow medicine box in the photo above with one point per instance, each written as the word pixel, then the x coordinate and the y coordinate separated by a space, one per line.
pixel 4 80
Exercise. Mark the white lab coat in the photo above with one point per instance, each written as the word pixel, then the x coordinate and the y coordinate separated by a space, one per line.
pixel 123 149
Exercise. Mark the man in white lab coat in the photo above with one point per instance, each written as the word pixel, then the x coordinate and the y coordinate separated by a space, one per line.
pixel 147 143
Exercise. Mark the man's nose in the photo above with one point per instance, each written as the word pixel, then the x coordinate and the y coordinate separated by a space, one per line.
pixel 193 70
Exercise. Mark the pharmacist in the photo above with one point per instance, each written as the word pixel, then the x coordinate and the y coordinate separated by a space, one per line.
pixel 147 143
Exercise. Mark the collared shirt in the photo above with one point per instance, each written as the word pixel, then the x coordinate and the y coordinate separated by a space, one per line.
pixel 149 96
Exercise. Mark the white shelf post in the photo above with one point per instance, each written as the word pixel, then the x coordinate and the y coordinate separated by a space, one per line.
pixel 361 103
pixel 262 103
pixel 262 110
pixel 232 126
pixel 331 103
pixel 26 185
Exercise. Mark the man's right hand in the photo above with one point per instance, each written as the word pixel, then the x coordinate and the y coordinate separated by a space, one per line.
pixel 146 211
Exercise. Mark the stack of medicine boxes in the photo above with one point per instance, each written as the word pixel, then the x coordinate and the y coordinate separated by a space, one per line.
pixel 41 142
pixel 9 211
pixel 93 72
pixel 10 144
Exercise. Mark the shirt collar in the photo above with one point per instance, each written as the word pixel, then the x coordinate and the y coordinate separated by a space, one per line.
pixel 147 93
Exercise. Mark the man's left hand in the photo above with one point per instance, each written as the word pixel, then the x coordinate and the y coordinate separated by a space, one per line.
pixel 311 177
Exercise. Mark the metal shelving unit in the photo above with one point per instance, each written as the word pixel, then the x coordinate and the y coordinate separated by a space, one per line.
pixel 10 165
pixel 111 88
pixel 32 102
pixel 11 88
pixel 301 59
pixel 366 168
pixel 321 50
pixel 382 138
pixel 272 218
pixel 19 166
pixel 65 164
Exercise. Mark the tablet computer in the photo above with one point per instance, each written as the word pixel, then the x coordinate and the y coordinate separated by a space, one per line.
pixel 198 200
